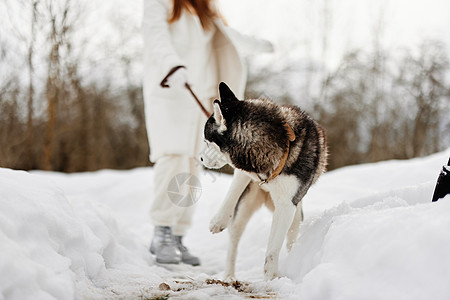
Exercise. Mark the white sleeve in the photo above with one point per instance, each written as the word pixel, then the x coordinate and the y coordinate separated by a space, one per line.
pixel 247 44
pixel 159 52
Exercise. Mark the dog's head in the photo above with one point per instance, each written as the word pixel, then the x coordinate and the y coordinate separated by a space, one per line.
pixel 217 130
pixel 249 135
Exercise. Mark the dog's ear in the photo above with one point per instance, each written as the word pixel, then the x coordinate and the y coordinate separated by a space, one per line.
pixel 218 117
pixel 225 93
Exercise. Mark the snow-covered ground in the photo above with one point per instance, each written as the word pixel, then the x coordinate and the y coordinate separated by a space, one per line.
pixel 371 232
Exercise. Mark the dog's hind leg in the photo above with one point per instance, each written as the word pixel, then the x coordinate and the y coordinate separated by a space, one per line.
pixel 282 192
pixel 295 226
pixel 298 217
pixel 249 202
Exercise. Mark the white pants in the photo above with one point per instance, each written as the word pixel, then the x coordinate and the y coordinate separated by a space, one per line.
pixel 163 211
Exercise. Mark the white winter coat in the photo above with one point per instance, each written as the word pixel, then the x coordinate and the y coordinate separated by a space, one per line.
pixel 172 115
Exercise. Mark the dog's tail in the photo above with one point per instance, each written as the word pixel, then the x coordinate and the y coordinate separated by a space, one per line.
pixel 293 230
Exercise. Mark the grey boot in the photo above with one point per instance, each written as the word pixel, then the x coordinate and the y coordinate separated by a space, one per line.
pixel 186 257
pixel 164 246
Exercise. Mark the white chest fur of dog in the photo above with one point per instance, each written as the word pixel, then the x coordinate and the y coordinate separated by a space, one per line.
pixel 277 152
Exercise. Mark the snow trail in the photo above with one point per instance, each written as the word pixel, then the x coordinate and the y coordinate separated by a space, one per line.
pixel 370 232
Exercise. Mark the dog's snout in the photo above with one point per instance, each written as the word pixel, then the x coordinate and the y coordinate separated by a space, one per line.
pixel 201 159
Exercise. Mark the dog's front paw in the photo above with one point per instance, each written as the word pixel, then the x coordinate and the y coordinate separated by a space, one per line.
pixel 219 223
pixel 270 276
pixel 229 278
pixel 270 268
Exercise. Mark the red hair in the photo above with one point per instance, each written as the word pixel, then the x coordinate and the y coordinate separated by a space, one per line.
pixel 201 8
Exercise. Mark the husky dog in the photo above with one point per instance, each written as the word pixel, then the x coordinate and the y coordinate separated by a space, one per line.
pixel 278 152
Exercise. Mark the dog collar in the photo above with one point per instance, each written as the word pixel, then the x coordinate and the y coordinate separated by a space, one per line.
pixel 279 168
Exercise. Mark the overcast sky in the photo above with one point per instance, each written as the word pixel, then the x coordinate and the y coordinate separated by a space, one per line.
pixel 300 24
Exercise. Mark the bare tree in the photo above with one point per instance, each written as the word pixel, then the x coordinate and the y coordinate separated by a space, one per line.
pixel 61 19
pixel 423 77
pixel 30 104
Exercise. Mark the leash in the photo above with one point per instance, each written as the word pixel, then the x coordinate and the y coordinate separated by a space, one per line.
pixel 204 110
pixel 188 87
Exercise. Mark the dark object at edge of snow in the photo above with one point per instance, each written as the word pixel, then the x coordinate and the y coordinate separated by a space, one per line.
pixel 443 183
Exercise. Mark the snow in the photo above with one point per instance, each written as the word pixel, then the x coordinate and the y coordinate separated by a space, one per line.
pixel 370 232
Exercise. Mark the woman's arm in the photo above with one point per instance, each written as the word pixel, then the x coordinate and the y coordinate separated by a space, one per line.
pixel 159 51
pixel 247 44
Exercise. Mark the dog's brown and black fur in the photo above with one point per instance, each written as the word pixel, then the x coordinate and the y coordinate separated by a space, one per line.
pixel 253 136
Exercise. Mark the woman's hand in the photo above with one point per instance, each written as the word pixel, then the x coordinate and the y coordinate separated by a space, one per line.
pixel 177 78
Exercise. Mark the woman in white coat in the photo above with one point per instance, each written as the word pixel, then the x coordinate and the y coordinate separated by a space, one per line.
pixel 185 41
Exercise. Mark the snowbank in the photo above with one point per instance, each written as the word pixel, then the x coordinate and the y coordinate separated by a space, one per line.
pixel 52 248
pixel 371 232
pixel 389 249
pixel 385 240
